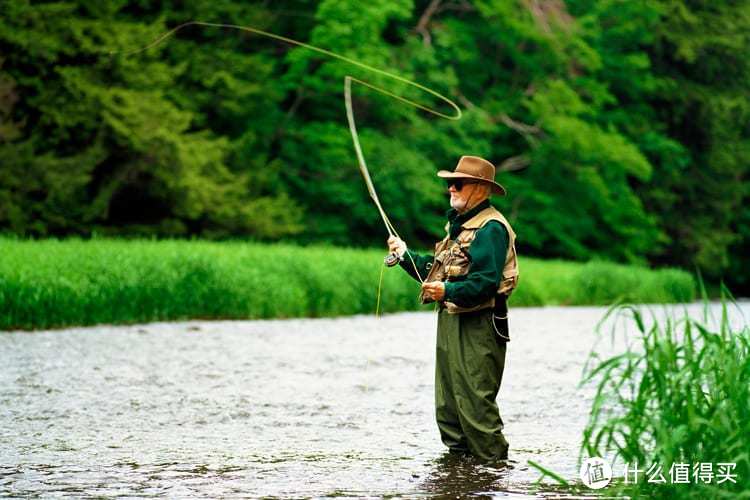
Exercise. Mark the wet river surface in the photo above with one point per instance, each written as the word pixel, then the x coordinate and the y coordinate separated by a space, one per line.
pixel 287 408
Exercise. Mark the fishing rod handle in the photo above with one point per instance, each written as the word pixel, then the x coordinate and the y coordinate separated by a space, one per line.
pixel 391 259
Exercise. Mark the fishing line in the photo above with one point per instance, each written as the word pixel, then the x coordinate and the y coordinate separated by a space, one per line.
pixel 380 286
pixel 347 99
pixel 391 259
pixel 377 315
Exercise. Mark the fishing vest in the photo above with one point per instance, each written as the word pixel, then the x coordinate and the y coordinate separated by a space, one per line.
pixel 452 258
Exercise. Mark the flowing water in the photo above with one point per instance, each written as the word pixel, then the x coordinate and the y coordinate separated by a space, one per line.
pixel 286 408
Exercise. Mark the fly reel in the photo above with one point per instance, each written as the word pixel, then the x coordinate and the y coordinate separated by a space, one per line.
pixel 391 259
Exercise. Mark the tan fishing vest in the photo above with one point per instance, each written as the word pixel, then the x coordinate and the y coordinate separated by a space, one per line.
pixel 452 258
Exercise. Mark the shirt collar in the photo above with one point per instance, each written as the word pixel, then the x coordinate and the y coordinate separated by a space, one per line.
pixel 455 218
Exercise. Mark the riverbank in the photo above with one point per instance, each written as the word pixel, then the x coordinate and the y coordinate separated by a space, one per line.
pixel 52 283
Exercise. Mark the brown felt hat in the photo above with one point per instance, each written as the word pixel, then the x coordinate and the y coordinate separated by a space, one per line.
pixel 474 167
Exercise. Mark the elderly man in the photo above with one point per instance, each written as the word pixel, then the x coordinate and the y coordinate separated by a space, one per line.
pixel 471 275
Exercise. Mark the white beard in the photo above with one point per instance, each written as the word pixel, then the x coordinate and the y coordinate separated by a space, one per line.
pixel 457 204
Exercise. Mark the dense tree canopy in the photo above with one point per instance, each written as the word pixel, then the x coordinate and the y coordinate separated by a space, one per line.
pixel 622 128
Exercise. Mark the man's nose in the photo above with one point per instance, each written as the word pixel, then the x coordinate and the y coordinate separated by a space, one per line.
pixel 452 189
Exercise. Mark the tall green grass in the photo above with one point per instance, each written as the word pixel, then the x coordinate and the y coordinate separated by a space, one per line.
pixel 546 282
pixel 51 283
pixel 679 393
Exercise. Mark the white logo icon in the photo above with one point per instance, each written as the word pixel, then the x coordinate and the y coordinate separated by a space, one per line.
pixel 596 473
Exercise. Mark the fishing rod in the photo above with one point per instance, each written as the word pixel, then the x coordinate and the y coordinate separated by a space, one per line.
pixel 392 258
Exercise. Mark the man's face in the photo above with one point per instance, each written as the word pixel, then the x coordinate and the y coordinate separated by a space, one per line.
pixel 469 195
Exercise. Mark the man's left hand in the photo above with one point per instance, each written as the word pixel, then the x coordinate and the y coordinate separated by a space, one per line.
pixel 434 290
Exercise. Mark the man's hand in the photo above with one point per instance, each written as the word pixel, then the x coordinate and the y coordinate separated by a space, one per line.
pixel 434 290
pixel 396 245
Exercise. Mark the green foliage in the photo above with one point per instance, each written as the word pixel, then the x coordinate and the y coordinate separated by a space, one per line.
pixel 598 283
pixel 630 117
pixel 702 49
pixel 105 145
pixel 678 394
pixel 53 283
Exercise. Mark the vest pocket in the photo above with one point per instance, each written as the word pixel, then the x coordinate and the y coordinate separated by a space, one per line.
pixel 454 272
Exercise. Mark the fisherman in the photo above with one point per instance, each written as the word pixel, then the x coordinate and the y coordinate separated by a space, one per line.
pixel 471 275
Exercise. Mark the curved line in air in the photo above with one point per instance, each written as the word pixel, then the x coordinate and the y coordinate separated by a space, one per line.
pixel 347 94
pixel 456 109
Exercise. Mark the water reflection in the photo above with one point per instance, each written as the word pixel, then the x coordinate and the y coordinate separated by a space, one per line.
pixel 455 474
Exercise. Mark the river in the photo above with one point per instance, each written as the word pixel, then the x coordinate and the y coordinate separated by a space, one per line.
pixel 285 408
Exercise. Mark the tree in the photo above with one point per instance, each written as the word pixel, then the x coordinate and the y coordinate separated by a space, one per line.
pixel 106 145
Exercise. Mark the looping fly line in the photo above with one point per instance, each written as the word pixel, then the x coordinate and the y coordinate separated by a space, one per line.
pixel 347 96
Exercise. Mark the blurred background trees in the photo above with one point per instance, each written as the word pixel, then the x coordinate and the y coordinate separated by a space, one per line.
pixel 622 127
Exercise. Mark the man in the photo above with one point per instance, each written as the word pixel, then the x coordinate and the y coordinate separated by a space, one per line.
pixel 471 275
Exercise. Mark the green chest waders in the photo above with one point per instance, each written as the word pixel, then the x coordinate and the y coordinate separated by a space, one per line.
pixel 470 359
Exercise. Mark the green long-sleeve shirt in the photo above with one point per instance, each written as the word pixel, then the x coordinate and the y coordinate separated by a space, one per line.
pixel 487 253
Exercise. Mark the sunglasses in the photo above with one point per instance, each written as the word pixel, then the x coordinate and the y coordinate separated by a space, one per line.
pixel 459 183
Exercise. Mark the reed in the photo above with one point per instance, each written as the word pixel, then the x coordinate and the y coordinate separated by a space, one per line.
pixel 56 283
pixel 678 394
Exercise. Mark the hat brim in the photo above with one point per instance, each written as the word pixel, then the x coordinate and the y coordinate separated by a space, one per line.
pixel 496 188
